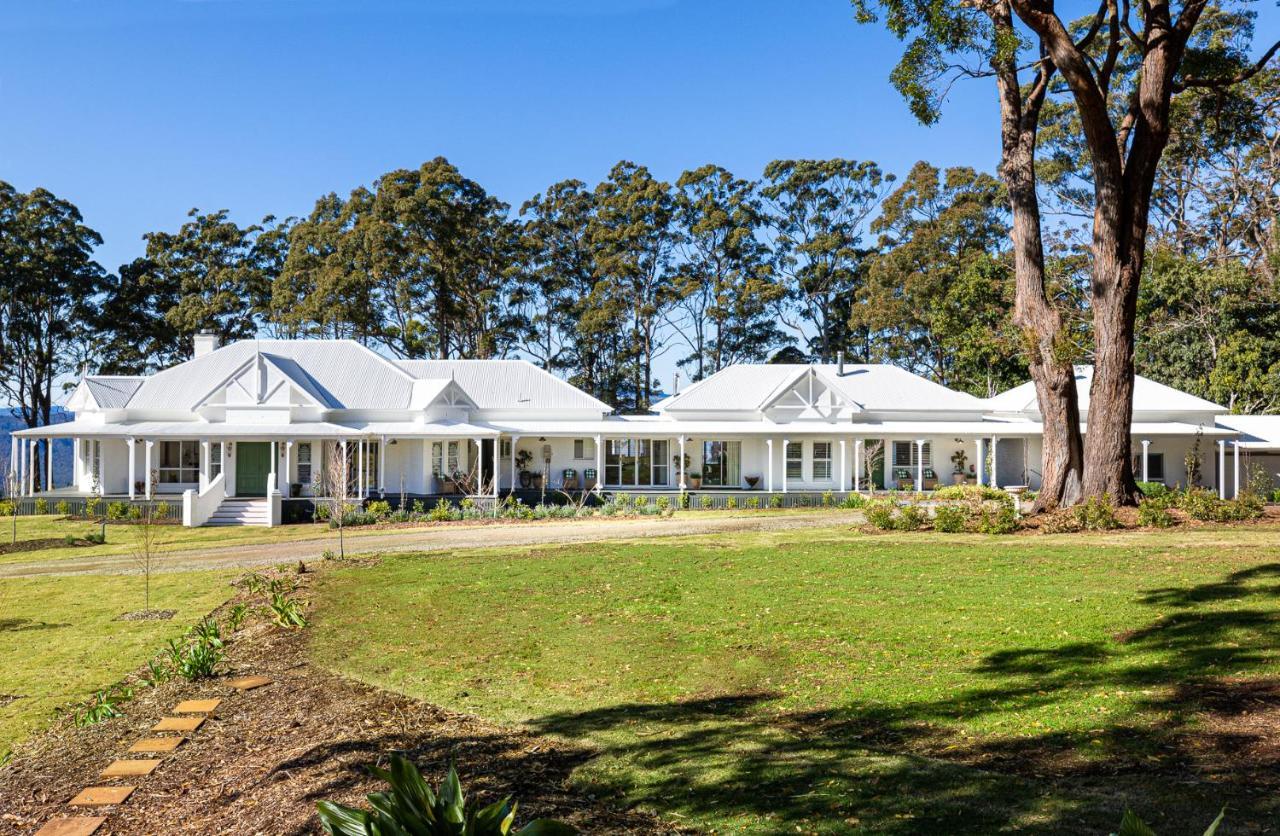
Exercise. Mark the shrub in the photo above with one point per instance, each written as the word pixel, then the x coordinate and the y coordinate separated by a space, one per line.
pixel 42 506
pixel 103 705
pixel 379 508
pixel 7 507
pixel 664 503
pixel 1201 504
pixel 879 513
pixel 731 503
pixel 322 512
pixel 775 500
pixel 707 501
pixel 910 518
pixel 1154 513
pixel 92 506
pixel 235 619
pixel 419 507
pixel 286 611
pixel 828 499
pixel 135 513
pixel 753 502
pixel 197 655
pixel 1000 519
pixel 118 511
pixel 1152 490
pixel 1096 514
pixel 854 500
pixel 443 512
pixel 971 492
pixel 684 501
pixel 950 519
pixel 96 537
pixel 640 501
pixel 410 807
pixel 162 511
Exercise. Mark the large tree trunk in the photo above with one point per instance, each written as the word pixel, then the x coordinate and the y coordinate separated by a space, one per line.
pixel 1041 323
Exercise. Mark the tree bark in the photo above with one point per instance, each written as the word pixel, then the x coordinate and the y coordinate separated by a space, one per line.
pixel 1062 461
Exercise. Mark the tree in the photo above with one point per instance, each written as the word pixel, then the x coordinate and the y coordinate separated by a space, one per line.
pixel 1124 121
pixel 146 550
pixel 632 232
pixel 937 294
pixel 48 279
pixel 817 212
pixel 723 283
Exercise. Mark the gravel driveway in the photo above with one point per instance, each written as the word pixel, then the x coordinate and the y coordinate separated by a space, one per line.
pixel 440 538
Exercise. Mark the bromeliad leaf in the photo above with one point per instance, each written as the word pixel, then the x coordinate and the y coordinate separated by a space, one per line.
pixel 340 820
pixel 546 827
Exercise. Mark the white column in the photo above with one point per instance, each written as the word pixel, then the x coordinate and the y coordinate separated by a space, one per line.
pixel 31 467
pixel 844 467
pixel 681 481
pixel 1235 468
pixel 514 479
pixel 147 460
pixel 48 464
pixel 382 466
pixel 784 465
pixel 133 466
pixel 979 464
pixel 1222 470
pixel 599 463
pixel 479 468
pixel 346 478
pixel 857 465
pixel 273 478
pixel 288 466
pixel 995 462
pixel 497 463
pixel 919 464
pixel 360 468
pixel 222 460
pixel 1146 446
pixel 13 456
pixel 769 470
pixel 206 463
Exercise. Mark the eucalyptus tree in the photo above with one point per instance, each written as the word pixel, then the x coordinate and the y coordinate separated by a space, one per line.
pixel 632 231
pixel 725 291
pixel 817 213
pixel 936 297
pixel 1121 71
pixel 48 279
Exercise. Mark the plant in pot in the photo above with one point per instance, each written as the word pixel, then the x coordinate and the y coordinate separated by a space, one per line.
pixel 958 458
pixel 752 481
pixel 523 459
pixel 695 479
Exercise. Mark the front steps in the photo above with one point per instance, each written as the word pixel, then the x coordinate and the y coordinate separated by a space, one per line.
pixel 252 510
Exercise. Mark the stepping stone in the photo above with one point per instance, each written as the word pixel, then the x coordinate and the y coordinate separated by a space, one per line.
pixel 151 745
pixel 196 706
pixel 71 826
pixel 129 769
pixel 245 683
pixel 96 796
pixel 178 724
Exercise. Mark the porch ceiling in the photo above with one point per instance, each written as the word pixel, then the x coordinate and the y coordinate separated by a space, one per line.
pixel 187 429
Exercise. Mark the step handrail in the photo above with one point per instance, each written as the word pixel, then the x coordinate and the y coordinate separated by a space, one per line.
pixel 198 507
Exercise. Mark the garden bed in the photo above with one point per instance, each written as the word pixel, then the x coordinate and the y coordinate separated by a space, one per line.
pixel 41 544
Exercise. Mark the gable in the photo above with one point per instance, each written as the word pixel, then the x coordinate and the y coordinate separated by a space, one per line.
pixel 263 382
pixel 810 396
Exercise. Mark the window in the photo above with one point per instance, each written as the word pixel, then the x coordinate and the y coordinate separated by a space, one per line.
pixel 304 463
pixel 584 448
pixel 1155 466
pixel 441 466
pixel 821 460
pixel 634 462
pixel 179 462
pixel 904 454
pixel 721 463
pixel 215 459
pixel 370 465
pixel 504 449
pixel 795 459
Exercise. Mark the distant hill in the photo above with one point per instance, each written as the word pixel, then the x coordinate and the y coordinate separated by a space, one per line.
pixel 62 452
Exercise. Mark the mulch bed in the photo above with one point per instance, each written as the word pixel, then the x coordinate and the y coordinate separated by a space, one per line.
pixel 264 758
pixel 146 615
pixel 40 545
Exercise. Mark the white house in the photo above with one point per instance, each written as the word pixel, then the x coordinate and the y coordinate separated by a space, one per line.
pixel 239 432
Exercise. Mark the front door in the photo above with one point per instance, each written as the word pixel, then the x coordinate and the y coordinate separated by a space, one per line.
pixel 486 465
pixel 253 466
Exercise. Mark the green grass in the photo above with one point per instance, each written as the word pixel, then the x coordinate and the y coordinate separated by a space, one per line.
pixel 758 683
pixel 59 642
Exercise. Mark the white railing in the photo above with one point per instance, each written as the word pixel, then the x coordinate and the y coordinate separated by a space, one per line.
pixel 197 508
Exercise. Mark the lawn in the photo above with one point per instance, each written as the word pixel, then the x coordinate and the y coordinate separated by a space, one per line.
pixel 59 641
pixel 829 680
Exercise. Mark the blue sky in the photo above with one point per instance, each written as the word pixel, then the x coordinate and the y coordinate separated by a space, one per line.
pixel 139 111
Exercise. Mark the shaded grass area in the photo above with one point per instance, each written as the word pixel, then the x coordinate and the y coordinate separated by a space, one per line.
pixel 827 680
pixel 59 641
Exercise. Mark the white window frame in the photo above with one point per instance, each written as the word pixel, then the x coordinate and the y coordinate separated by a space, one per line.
pixel 584 449
pixel 911 457
pixel 824 463
pixel 797 461
pixel 180 469
pixel 305 464
pixel 215 459
pixel 438 460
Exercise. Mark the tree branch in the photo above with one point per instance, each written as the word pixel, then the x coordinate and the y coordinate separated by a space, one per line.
pixel 1227 81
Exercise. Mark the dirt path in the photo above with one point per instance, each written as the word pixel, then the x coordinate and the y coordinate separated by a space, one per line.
pixel 441 538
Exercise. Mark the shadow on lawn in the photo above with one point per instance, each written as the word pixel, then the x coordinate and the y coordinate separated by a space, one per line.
pixel 1200 735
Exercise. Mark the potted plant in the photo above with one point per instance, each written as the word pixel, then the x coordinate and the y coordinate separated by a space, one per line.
pixel 752 481
pixel 695 479
pixel 295 489
pixel 958 459
pixel 523 459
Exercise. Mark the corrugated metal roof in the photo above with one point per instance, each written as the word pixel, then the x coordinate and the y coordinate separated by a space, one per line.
pixel 506 384
pixel 111 392
pixel 343 373
pixel 875 387
pixel 1260 432
pixel 189 429
pixel 1148 396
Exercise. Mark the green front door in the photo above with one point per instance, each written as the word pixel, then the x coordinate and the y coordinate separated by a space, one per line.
pixel 253 466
